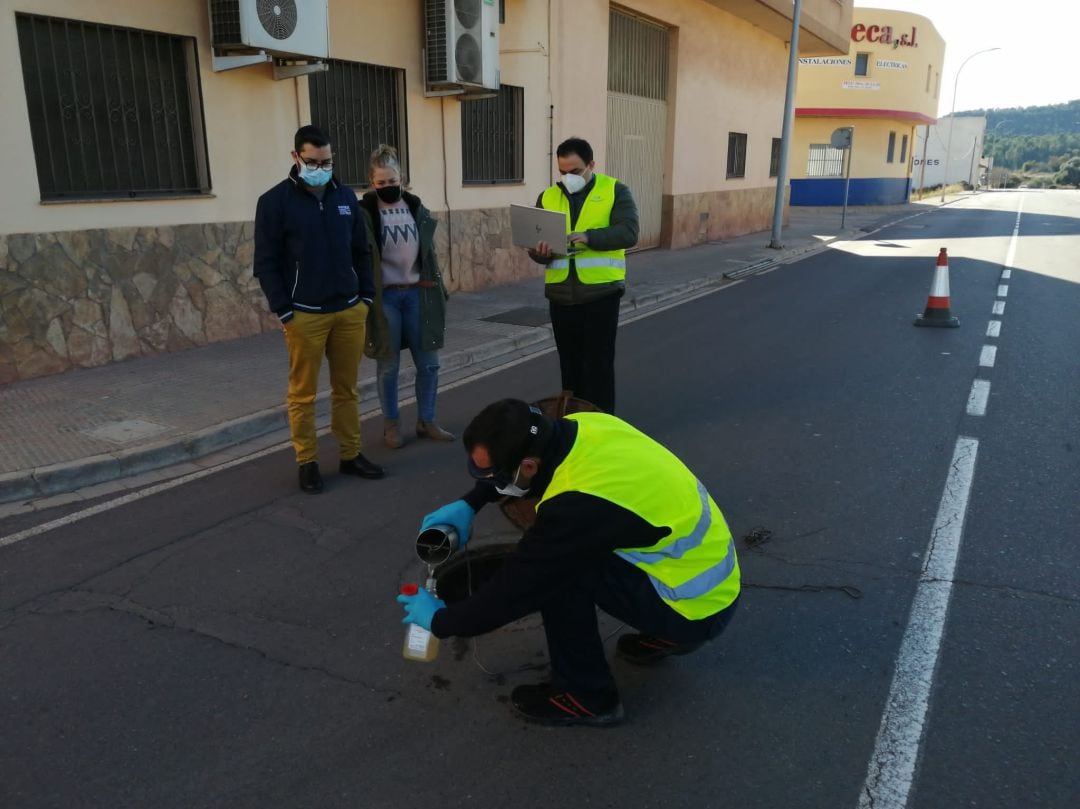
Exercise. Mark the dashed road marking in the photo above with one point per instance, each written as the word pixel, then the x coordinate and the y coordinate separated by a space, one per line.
pixel 979 397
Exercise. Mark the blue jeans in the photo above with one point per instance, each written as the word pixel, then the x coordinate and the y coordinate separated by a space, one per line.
pixel 402 310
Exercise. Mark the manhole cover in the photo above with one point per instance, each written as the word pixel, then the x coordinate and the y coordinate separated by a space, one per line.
pixel 522 316
pixel 124 432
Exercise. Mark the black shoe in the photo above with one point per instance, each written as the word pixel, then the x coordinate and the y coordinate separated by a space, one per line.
pixel 647 649
pixel 310 479
pixel 361 467
pixel 547 705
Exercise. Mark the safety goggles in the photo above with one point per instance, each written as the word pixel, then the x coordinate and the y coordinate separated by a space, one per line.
pixel 502 478
pixel 499 477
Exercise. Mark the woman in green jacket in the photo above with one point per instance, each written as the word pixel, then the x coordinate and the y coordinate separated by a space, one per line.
pixel 410 298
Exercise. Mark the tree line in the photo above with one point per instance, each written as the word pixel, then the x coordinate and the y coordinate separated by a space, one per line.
pixel 1043 138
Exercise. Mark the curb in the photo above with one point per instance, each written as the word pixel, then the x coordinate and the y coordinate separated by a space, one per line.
pixel 60 478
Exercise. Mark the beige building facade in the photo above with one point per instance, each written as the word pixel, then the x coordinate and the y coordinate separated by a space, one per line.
pixel 133 166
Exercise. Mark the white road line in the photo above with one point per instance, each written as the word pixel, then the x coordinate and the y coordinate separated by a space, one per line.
pixel 988 356
pixel 1003 290
pixel 978 398
pixel 891 771
pixel 1006 275
pixel 999 308
pixel 993 328
pixel 1011 256
pixel 76 516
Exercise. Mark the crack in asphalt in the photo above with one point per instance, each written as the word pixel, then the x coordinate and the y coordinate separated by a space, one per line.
pixel 1017 592
pixel 246 516
pixel 159 617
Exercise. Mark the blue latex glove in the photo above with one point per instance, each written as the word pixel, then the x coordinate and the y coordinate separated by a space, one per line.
pixel 458 514
pixel 420 608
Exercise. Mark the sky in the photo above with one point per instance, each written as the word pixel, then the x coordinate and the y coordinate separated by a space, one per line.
pixel 1038 62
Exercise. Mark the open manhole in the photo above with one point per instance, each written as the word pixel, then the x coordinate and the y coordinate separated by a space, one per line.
pixel 522 316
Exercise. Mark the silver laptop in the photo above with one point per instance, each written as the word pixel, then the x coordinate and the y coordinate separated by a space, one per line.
pixel 530 225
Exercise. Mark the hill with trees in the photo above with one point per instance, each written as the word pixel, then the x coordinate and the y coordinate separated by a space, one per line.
pixel 1033 139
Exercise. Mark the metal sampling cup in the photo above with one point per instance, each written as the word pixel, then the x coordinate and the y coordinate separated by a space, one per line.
pixel 434 545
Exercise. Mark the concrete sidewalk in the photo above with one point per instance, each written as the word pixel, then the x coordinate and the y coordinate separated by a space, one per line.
pixel 87 427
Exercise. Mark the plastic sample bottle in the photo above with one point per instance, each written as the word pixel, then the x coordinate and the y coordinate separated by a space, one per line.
pixel 420 644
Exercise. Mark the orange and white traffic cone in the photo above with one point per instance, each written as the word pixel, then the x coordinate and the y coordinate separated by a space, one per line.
pixel 937 304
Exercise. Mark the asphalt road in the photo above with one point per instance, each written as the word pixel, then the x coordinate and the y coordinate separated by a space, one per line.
pixel 233 643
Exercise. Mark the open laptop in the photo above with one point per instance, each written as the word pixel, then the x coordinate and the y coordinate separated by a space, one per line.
pixel 530 225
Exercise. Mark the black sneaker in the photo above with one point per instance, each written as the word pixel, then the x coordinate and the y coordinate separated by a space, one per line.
pixel 310 479
pixel 647 649
pixel 545 704
pixel 361 467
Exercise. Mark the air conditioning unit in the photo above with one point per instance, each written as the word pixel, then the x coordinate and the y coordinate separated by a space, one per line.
pixel 283 28
pixel 461 46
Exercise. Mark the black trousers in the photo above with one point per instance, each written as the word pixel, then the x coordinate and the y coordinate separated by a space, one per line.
pixel 585 338
pixel 625 593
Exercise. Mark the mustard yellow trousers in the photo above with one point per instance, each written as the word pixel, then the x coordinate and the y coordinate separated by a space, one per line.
pixel 339 336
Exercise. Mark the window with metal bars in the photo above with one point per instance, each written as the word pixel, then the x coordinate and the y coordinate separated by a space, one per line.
pixel 736 154
pixel 359 106
pixel 492 138
pixel 115 112
pixel 774 158
pixel 825 161
pixel 890 152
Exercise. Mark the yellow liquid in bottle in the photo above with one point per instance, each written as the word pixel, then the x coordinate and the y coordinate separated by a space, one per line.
pixel 420 645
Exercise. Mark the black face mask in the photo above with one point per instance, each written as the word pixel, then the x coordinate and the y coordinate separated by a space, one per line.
pixel 389 193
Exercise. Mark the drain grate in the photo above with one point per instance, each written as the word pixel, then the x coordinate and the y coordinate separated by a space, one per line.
pixel 750 269
pixel 522 316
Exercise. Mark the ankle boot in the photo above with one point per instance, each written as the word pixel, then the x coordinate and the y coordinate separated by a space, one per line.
pixel 390 435
pixel 429 429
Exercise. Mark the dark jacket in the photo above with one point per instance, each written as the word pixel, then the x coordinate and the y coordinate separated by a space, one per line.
pixel 620 234
pixel 433 294
pixel 573 532
pixel 311 255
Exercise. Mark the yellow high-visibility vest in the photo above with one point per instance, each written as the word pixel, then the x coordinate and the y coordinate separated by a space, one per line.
pixel 694 568
pixel 593 266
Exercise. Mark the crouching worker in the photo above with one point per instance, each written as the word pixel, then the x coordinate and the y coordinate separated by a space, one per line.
pixel 621 525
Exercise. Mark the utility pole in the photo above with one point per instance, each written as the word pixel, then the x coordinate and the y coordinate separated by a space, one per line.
pixel 922 169
pixel 785 135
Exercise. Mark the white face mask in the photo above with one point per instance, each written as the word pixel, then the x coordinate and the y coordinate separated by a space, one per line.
pixel 574 182
pixel 512 489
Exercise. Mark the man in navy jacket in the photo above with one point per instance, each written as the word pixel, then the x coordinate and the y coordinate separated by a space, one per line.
pixel 313 261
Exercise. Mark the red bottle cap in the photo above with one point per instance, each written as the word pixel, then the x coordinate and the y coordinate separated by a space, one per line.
pixel 409 589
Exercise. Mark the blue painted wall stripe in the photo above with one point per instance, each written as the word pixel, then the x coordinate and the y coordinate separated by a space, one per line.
pixel 863 191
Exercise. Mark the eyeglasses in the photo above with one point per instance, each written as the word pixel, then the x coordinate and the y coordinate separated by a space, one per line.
pixel 317 164
pixel 500 478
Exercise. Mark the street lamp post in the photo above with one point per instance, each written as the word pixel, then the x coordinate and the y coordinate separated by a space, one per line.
pixel 785 134
pixel 952 117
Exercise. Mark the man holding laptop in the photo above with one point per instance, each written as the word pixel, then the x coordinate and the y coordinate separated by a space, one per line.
pixel 585 270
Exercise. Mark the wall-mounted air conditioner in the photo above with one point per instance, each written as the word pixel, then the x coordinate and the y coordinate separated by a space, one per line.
pixel 461 46
pixel 244 32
